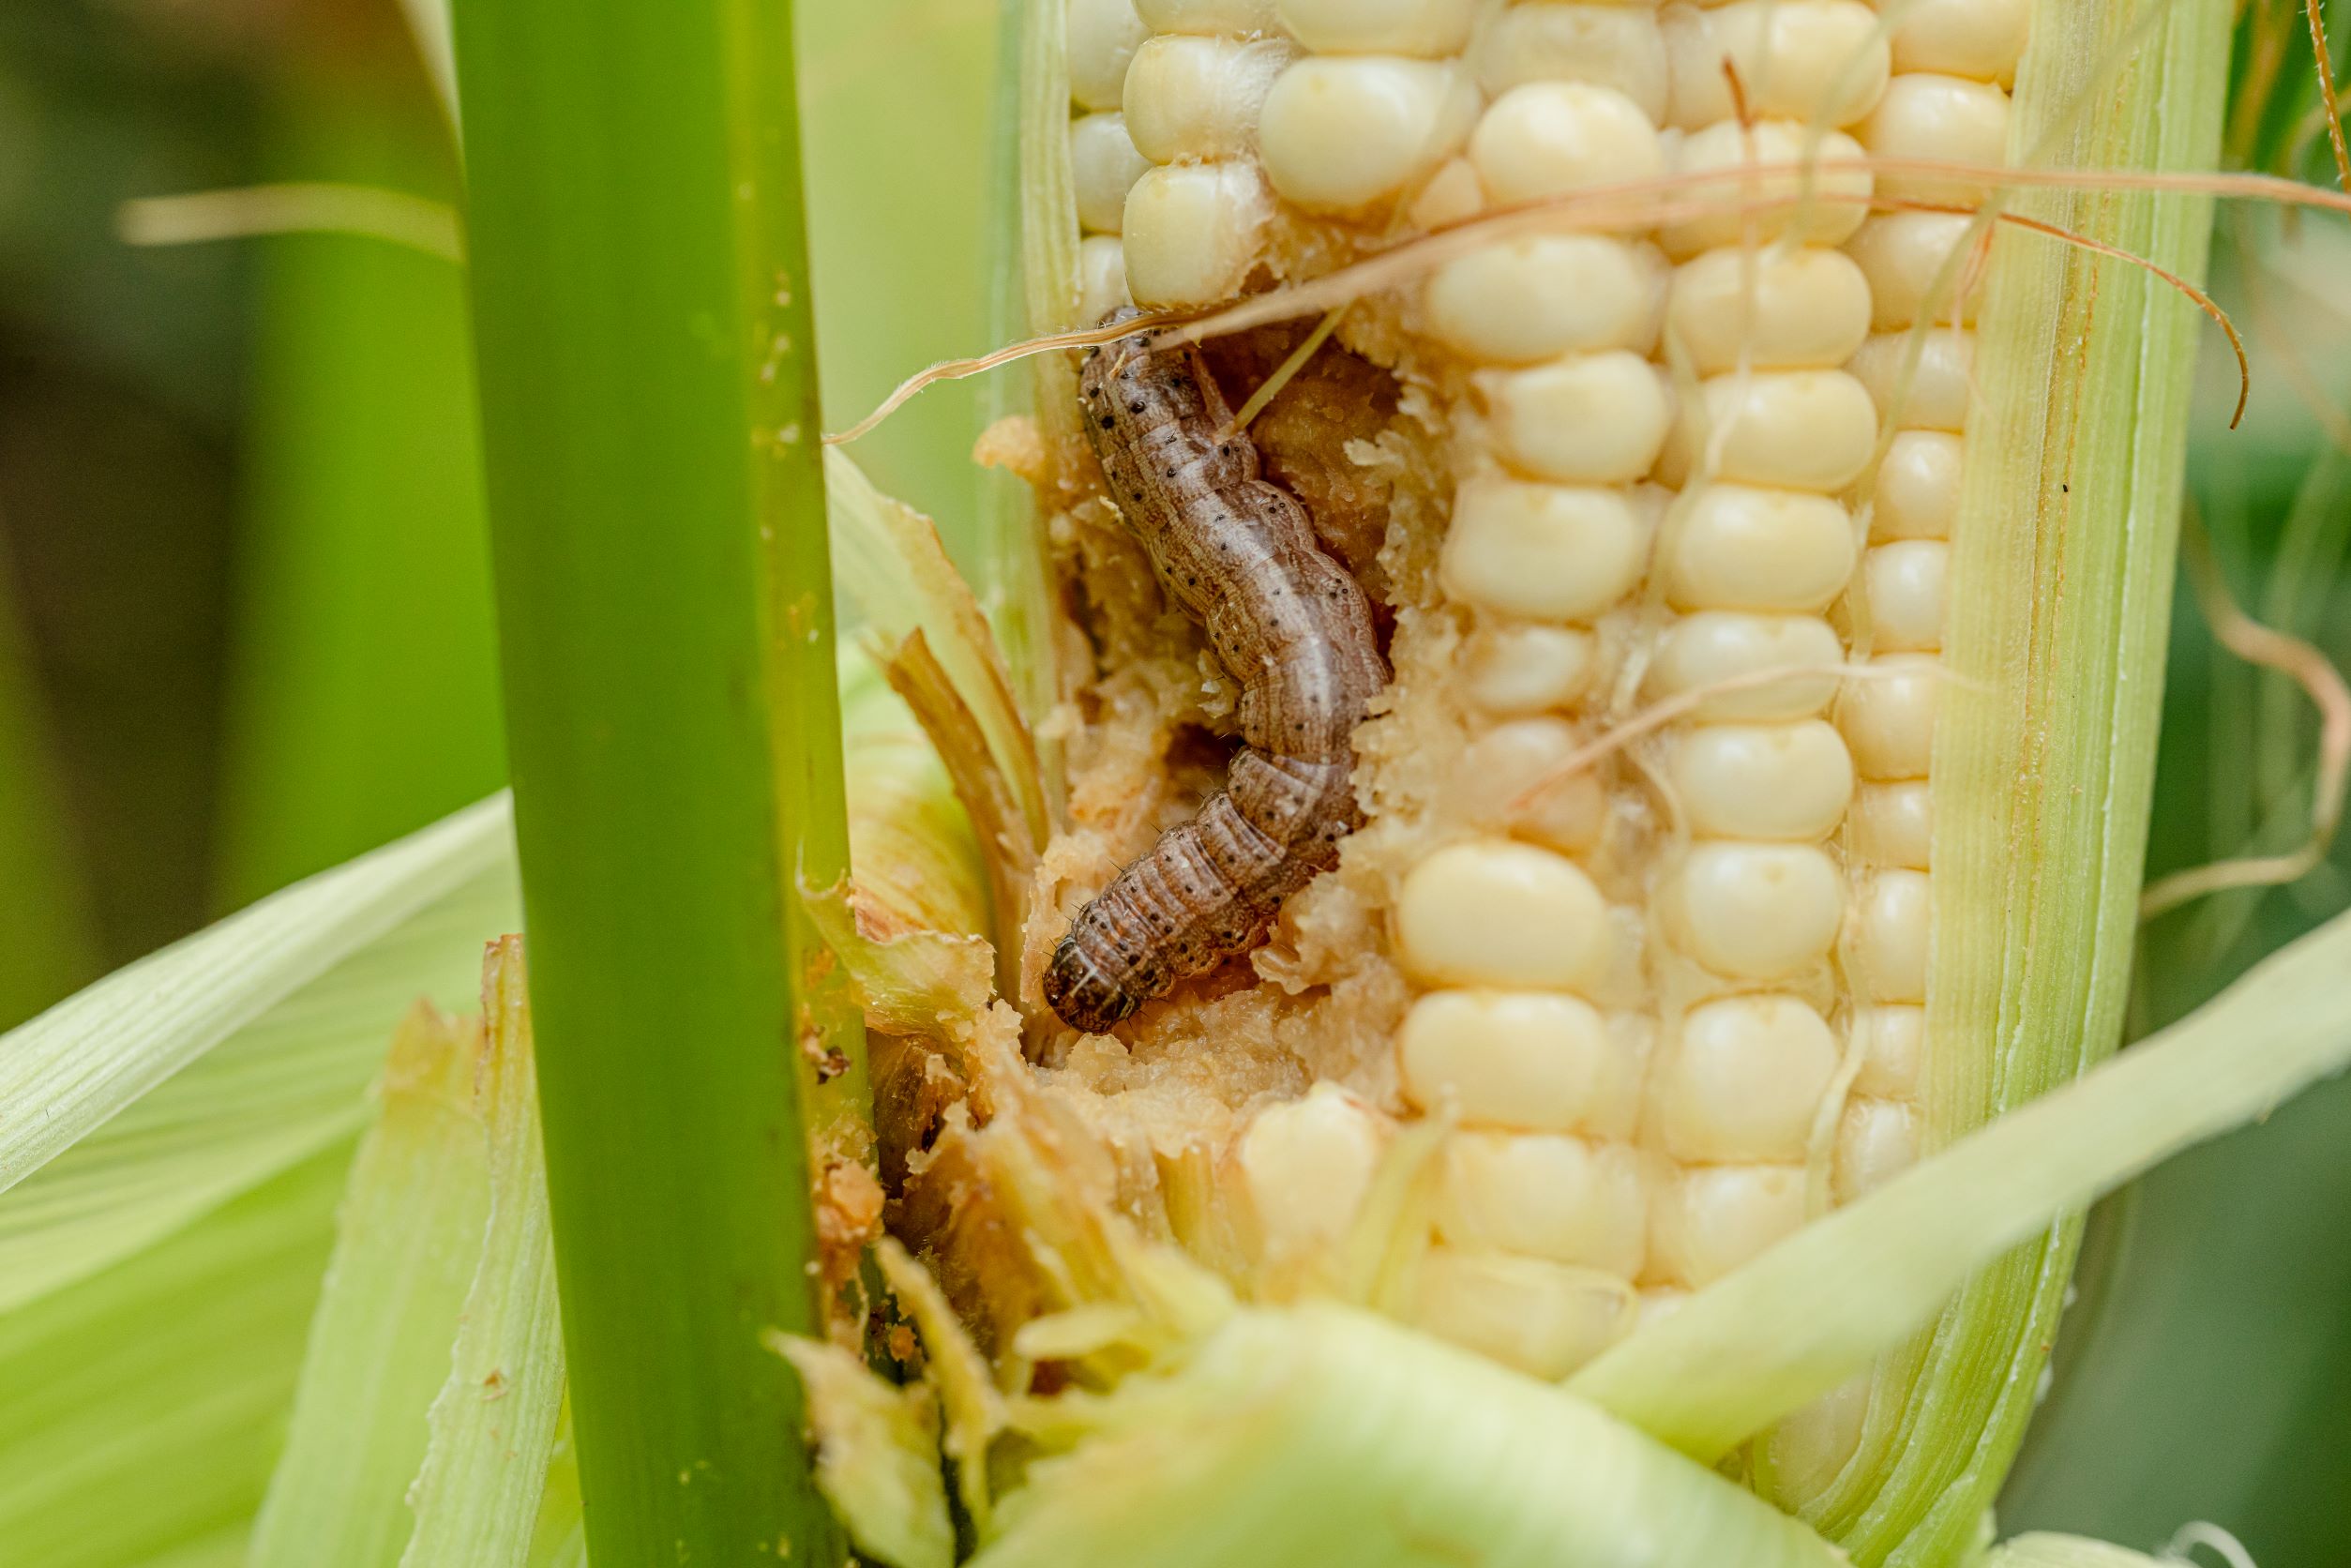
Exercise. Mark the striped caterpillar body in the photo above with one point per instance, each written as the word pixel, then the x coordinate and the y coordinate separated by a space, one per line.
pixel 1238 555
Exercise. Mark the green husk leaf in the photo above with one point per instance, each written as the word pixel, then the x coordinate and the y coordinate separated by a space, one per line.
pixel 175 1083
pixel 408 1240
pixel 494 1425
pixel 877 1456
pixel 1814 1309
pixel 1320 1434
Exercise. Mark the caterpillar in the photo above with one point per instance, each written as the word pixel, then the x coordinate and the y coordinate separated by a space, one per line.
pixel 1238 555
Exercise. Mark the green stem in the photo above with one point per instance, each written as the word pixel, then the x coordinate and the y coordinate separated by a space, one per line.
pixel 645 343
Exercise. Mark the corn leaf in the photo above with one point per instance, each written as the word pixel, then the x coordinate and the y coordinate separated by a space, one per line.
pixel 494 1424
pixel 176 1083
pixel 1817 1308
pixel 407 1241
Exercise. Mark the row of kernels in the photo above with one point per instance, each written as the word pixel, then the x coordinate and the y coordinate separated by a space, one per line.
pixel 1102 37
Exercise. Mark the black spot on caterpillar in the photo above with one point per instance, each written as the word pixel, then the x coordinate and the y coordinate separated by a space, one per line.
pixel 1238 555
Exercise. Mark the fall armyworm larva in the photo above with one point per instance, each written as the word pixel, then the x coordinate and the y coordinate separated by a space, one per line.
pixel 1238 555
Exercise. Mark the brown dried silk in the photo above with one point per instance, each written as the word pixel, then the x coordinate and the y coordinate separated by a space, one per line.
pixel 1292 629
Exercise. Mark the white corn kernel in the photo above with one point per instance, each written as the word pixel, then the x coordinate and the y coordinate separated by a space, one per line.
pixel 1492 912
pixel 1608 45
pixel 1822 206
pixel 1888 719
pixel 1893 824
pixel 1228 18
pixel 1707 1220
pixel 1744 1080
pixel 1545 1320
pixel 1103 36
pixel 1878 1139
pixel 1906 584
pixel 1542 553
pixel 1917 493
pixel 1931 394
pixel 1798 429
pixel 1547 139
pixel 1819 62
pixel 1802 309
pixel 1713 647
pixel 1545 1195
pixel 1945 118
pixel 1101 276
pixel 1891 926
pixel 1432 29
pixel 1592 419
pixel 1810 1445
pixel 1339 134
pixel 1919 267
pixel 1192 232
pixel 1524 667
pixel 1104 167
pixel 1307 1164
pixel 1755 911
pixel 1739 547
pixel 1192 98
pixel 1537 298
pixel 1774 783
pixel 1509 780
pixel 1453 194
pixel 1981 38
pixel 1526 1061
pixel 1894 1052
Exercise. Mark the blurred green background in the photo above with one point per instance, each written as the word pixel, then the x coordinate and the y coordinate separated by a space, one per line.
pixel 245 626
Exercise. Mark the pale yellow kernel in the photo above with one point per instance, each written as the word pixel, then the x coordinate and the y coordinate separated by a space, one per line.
pixel 1744 1080
pixel 1542 553
pixel 1101 276
pixel 1590 419
pixel 1615 46
pixel 1494 912
pixel 1547 139
pixel 1339 134
pixel 1525 668
pixel 1103 36
pixel 1891 924
pixel 1821 205
pixel 1817 62
pixel 1707 1220
pixel 1876 1141
pixel 1526 1061
pixel 1774 782
pixel 1510 780
pixel 1930 395
pixel 1453 194
pixel 1918 267
pixel 1537 298
pixel 1103 166
pixel 1981 38
pixel 1797 430
pixel 1545 1195
pixel 1544 1318
pixel 1945 118
pixel 1432 29
pixel 1230 18
pixel 1893 824
pixel 1810 1447
pixel 1192 98
pixel 1907 585
pixel 1888 719
pixel 1917 493
pixel 1894 1052
pixel 1193 231
pixel 1734 547
pixel 1702 651
pixel 1801 309
pixel 1307 1164
pixel 1755 911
